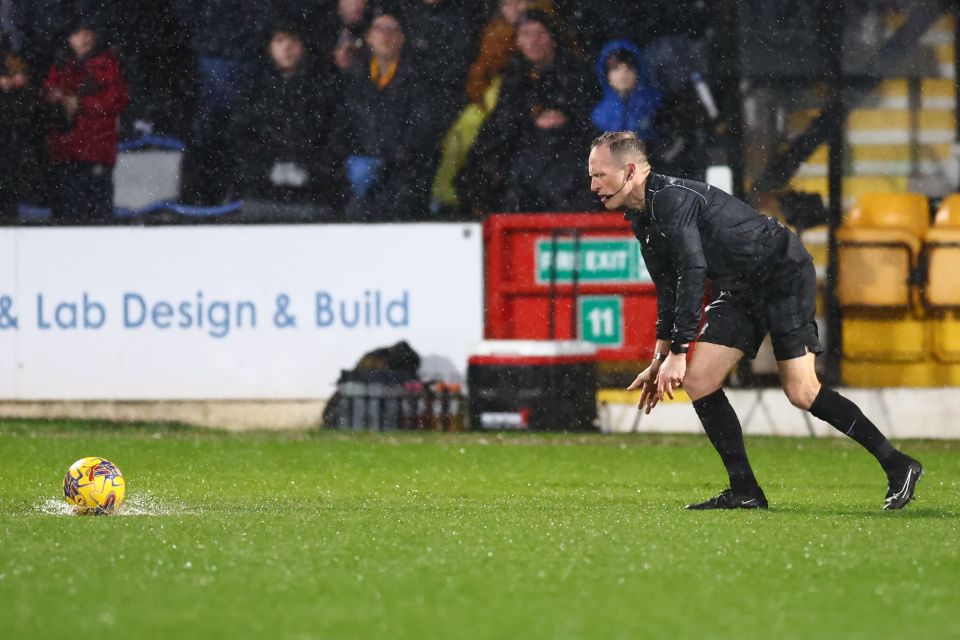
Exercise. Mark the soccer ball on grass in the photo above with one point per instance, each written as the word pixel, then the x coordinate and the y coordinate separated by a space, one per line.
pixel 94 486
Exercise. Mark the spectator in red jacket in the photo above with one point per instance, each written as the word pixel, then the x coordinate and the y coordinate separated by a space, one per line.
pixel 83 95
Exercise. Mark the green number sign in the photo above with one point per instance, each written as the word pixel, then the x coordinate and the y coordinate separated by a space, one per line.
pixel 601 320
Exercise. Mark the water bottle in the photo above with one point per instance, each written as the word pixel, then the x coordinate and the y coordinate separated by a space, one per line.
pixel 344 417
pixel 455 409
pixel 374 403
pixel 425 408
pixel 409 406
pixel 352 410
pixel 439 407
pixel 392 398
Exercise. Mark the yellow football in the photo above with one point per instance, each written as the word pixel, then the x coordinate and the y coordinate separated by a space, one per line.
pixel 94 486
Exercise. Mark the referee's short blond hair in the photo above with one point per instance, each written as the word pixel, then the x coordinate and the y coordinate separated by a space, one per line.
pixel 624 145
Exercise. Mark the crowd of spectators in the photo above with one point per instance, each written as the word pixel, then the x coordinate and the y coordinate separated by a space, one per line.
pixel 351 110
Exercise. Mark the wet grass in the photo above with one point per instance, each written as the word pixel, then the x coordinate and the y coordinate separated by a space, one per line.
pixel 473 536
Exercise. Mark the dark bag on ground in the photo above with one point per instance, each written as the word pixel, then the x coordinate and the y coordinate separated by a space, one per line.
pixel 371 395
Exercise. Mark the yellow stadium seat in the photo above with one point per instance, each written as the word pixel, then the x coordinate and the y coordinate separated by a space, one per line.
pixel 942 257
pixel 880 335
pixel 898 374
pixel 907 211
pixel 946 336
pixel 878 247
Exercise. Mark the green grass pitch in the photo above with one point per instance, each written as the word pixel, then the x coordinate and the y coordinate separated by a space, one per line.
pixel 403 535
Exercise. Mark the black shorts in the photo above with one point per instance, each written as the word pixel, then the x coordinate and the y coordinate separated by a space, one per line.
pixel 784 304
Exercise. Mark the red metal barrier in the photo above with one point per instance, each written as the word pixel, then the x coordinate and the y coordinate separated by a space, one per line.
pixel 591 258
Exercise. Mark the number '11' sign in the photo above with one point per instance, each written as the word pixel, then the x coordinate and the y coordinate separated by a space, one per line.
pixel 601 320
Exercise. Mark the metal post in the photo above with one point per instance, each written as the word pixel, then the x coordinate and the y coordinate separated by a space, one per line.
pixel 832 26
pixel 956 71
pixel 914 105
pixel 956 66
pixel 552 293
pixel 728 82
pixel 574 283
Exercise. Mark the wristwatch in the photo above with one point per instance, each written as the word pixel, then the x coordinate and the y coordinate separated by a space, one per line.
pixel 659 357
pixel 678 349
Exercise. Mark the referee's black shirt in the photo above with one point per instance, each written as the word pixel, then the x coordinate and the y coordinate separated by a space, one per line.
pixel 691 231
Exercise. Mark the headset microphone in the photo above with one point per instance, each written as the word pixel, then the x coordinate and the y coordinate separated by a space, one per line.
pixel 625 181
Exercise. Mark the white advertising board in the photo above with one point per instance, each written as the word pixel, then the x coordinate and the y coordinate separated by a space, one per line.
pixel 231 312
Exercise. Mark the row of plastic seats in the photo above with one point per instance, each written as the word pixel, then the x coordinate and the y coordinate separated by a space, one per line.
pixel 941 261
pixel 898 289
pixel 888 252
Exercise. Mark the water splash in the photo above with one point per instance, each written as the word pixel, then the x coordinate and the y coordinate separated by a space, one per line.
pixel 142 504
pixel 53 507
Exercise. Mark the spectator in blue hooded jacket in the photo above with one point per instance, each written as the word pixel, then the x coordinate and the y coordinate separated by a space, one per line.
pixel 629 101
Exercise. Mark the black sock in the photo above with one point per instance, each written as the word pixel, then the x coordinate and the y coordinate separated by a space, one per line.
pixel 723 428
pixel 846 417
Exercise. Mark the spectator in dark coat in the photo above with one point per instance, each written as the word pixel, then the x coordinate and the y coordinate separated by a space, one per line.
pixel 392 137
pixel 540 121
pixel 84 94
pixel 287 140
pixel 497 45
pixel 312 19
pixel 629 102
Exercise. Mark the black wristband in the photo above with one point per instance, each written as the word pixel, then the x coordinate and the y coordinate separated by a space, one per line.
pixel 678 349
pixel 659 357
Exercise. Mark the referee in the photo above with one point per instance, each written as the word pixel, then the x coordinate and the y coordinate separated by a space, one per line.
pixel 763 281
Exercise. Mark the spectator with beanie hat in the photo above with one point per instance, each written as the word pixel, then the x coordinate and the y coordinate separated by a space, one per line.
pixel 288 143
pixel 542 116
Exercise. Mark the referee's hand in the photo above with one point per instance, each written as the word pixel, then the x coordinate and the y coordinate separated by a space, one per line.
pixel 646 382
pixel 671 375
